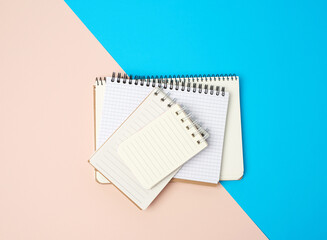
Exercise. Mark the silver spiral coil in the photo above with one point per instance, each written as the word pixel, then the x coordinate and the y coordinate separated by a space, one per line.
pixel 194 126
pixel 192 83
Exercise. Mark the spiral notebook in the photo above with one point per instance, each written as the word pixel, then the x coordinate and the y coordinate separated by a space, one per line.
pixel 208 105
pixel 162 146
pixel 158 109
pixel 232 167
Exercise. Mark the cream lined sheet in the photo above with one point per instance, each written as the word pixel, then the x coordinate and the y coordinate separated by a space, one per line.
pixel 162 146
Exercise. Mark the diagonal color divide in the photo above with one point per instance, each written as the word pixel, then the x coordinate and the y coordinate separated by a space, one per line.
pixel 47 186
pixel 278 48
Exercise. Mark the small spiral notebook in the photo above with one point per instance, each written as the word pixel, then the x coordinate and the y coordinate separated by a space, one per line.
pixel 162 146
pixel 156 111
pixel 209 106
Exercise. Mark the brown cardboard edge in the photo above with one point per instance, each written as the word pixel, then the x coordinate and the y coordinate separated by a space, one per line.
pixel 118 188
pixel 234 178
pixel 96 179
pixel 94 117
pixel 194 182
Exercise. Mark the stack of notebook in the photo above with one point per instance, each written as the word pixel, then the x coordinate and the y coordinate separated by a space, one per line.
pixel 153 130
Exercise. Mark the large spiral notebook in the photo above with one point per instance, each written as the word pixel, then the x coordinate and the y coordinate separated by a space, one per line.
pixel 191 91
pixel 154 113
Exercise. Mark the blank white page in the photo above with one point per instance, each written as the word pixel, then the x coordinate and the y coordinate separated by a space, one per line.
pixel 162 146
pixel 107 161
pixel 211 110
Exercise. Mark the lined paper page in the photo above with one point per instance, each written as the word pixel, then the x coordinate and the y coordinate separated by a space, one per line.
pixel 107 161
pixel 208 109
pixel 161 147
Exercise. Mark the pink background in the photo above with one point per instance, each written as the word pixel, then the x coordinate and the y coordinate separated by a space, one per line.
pixel 48 63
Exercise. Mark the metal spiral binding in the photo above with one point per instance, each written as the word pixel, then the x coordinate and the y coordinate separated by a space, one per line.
pixel 194 83
pixel 188 116
pixel 99 81
pixel 205 135
pixel 172 102
pixel 183 109
pixel 192 125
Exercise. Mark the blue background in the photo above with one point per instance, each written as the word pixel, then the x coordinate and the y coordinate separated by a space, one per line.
pixel 279 50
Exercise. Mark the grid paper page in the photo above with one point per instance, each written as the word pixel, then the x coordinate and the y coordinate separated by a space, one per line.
pixel 208 109
pixel 232 167
pixel 107 161
pixel 161 147
pixel 98 98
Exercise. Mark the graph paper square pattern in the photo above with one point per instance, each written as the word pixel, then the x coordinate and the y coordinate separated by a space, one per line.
pixel 209 109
